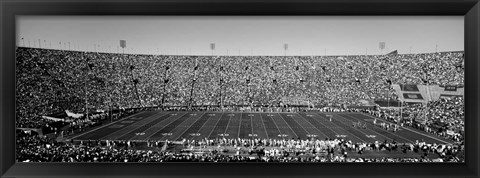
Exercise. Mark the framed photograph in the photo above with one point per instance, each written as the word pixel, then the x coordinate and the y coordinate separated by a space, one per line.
pixel 251 88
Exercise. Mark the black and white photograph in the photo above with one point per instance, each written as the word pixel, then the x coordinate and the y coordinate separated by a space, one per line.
pixel 270 89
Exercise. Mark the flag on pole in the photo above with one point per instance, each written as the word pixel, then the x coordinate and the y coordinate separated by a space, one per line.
pixel 123 43
pixel 212 46
pixel 285 46
pixel 382 45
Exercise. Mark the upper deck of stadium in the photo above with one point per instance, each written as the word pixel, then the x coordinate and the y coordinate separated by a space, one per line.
pixel 55 80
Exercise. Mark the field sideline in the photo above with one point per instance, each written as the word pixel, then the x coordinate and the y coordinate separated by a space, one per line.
pixel 173 126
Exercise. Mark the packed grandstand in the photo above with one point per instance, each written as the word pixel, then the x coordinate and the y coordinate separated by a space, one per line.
pixel 421 92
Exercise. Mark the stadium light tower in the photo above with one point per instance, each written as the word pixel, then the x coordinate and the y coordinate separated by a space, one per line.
pixel 401 113
pixel 123 45
pixel 86 91
pixel 427 98
pixel 381 46
pixel 221 84
pixel 212 47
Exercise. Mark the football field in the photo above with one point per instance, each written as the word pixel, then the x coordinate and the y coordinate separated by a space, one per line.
pixel 175 126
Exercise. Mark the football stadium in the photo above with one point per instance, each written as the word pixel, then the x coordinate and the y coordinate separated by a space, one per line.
pixel 77 106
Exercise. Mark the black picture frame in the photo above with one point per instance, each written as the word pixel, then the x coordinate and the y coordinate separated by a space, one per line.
pixel 470 9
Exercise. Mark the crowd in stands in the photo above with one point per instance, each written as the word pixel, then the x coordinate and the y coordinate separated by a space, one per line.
pixel 444 117
pixel 51 81
pixel 43 149
pixel 55 80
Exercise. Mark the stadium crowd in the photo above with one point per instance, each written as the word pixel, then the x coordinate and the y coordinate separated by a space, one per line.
pixel 43 149
pixel 55 80
pixel 52 81
pixel 444 117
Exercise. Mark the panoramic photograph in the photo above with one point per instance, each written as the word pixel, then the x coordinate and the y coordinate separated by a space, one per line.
pixel 285 89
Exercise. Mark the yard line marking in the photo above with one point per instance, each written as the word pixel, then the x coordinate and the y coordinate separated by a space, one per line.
pixel 406 128
pixel 364 133
pixel 251 122
pixel 191 125
pixel 228 123
pixel 342 128
pixel 209 135
pixel 171 131
pixel 313 125
pixel 264 127
pixel 308 133
pixel 161 123
pixel 146 122
pixel 207 121
pixel 411 141
pixel 288 125
pixel 128 130
pixel 151 127
pixel 128 117
pixel 276 126
pixel 348 121
pixel 148 138
pixel 325 126
pixel 240 125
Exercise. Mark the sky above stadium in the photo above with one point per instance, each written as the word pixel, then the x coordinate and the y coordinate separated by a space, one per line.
pixel 246 35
